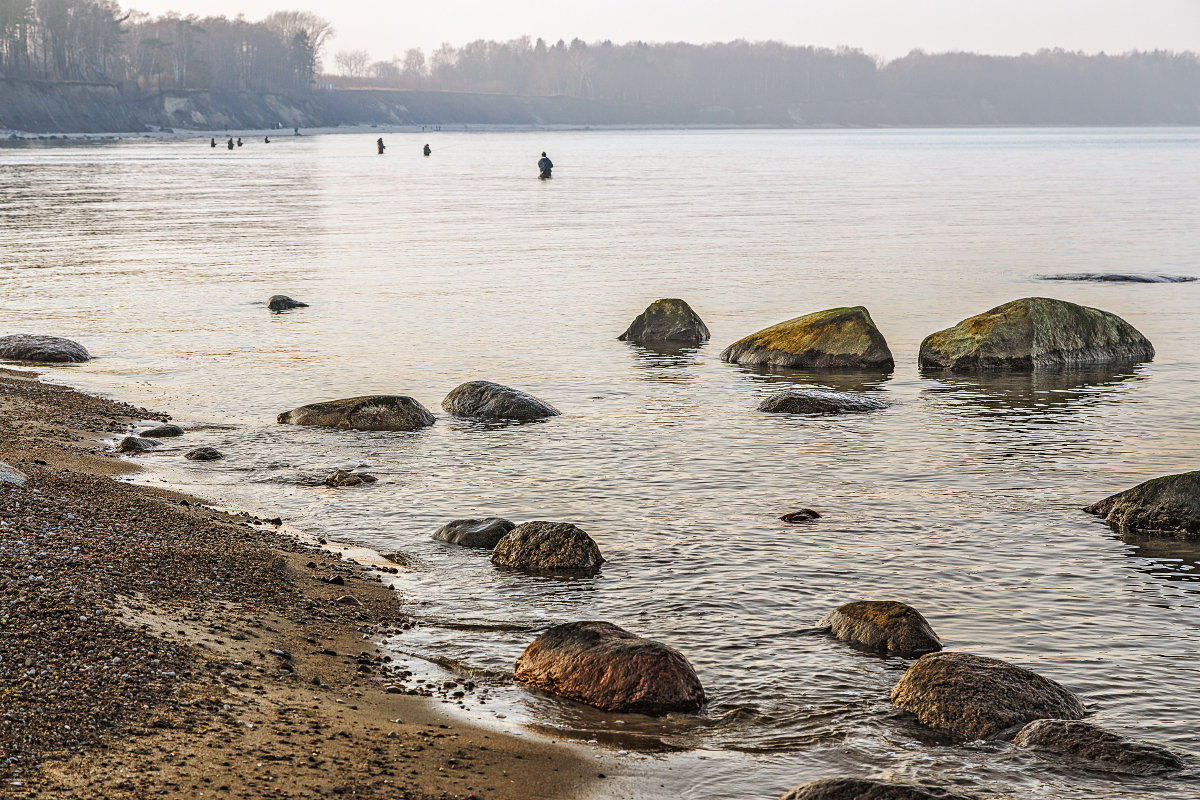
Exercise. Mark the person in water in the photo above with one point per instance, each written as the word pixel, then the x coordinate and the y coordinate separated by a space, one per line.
pixel 427 150
pixel 239 141
pixel 213 143
pixel 230 143
pixel 266 140
pixel 544 166
pixel 380 145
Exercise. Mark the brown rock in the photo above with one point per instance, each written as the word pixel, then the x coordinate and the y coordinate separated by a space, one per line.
pixel 384 412
pixel 883 625
pixel 547 547
pixel 866 789
pixel 1087 742
pixel 1168 505
pixel 838 338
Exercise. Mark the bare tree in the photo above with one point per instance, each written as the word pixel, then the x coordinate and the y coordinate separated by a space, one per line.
pixel 353 63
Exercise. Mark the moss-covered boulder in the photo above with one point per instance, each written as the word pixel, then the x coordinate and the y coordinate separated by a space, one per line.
pixel 1168 505
pixel 1033 333
pixel 667 321
pixel 885 626
pixel 380 412
pixel 867 789
pixel 840 338
pixel 1099 748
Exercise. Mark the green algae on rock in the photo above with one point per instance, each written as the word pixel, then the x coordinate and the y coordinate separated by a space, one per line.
pixel 1168 505
pixel 1032 333
pixel 669 321
pixel 838 338
pixel 382 412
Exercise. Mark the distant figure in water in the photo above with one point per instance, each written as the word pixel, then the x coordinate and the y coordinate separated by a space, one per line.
pixel 427 150
pixel 544 166
pixel 296 131
pixel 230 143
pixel 213 143
pixel 379 144
pixel 266 140
pixel 239 141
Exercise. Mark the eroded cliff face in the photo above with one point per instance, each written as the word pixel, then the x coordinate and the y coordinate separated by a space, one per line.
pixel 65 107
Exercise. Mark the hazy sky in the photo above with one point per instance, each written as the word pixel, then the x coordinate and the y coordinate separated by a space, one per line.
pixel 889 28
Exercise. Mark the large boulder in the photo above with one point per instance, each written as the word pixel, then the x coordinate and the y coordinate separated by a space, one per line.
pixel 819 401
pixel 667 321
pixel 547 547
pixel 1105 749
pixel 474 532
pixel 840 338
pixel 975 697
pixel 866 789
pixel 487 400
pixel 883 625
pixel 48 349
pixel 1169 505
pixel 382 412
pixel 281 302
pixel 1033 333
pixel 604 666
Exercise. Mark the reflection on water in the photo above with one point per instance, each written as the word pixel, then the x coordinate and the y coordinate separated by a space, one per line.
pixel 963 498
pixel 779 378
pixel 1166 557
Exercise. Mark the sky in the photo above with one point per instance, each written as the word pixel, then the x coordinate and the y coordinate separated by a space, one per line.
pixel 887 28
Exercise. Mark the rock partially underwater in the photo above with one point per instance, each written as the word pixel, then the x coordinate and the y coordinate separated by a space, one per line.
pixel 487 400
pixel 1102 749
pixel 164 431
pixel 1117 277
pixel 281 302
pixel 669 321
pixel 547 547
pixel 867 789
pixel 341 479
pixel 1166 506
pixel 385 412
pixel 41 349
pixel 474 532
pixel 819 401
pixel 885 626
pixel 839 338
pixel 136 444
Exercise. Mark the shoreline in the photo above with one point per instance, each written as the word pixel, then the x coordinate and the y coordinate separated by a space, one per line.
pixel 152 645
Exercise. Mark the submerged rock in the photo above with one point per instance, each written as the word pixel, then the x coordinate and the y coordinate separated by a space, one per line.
pixel 547 547
pixel 883 625
pixel 866 789
pixel 1087 742
pixel 803 515
pixel 819 401
pixel 11 475
pixel 487 400
pixel 383 412
pixel 1168 505
pixel 340 478
pixel 1117 277
pixel 667 321
pixel 204 454
pixel 474 532
pixel 840 338
pixel 975 697
pixel 604 666
pixel 281 302
pixel 1033 333
pixel 136 444
pixel 163 431
pixel 47 349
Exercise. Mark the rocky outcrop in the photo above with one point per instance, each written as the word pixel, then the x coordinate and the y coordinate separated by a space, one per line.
pixel 604 666
pixel 487 400
pixel 882 625
pixel 204 454
pixel 803 515
pixel 667 321
pixel 11 475
pixel 974 697
pixel 1168 505
pixel 474 532
pixel 547 547
pixel 42 349
pixel 840 338
pixel 341 478
pixel 281 302
pixel 164 431
pixel 867 789
pixel 1034 333
pixel 136 444
pixel 384 412
pixel 819 401
pixel 1104 749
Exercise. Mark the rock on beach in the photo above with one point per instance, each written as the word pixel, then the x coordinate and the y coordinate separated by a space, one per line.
pixel 281 302
pixel 1169 505
pixel 547 547
pixel 164 431
pixel 839 338
pixel 11 475
pixel 484 532
pixel 204 454
pixel 136 444
pixel 487 400
pixel 384 412
pixel 819 401
pixel 607 667
pixel 1104 749
pixel 974 697
pixel 1034 333
pixel 866 789
pixel 666 321
pixel 882 625
pixel 45 349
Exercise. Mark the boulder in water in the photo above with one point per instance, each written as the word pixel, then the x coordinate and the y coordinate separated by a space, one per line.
pixel 839 338
pixel 667 321
pixel 341 478
pixel 164 431
pixel 383 412
pixel 602 665
pixel 45 349
pixel 1168 505
pixel 487 400
pixel 975 697
pixel 803 515
pixel 882 625
pixel 1034 333
pixel 866 789
pixel 204 454
pixel 1105 749
pixel 281 302
pixel 547 547
pixel 136 444
pixel 819 401
pixel 474 532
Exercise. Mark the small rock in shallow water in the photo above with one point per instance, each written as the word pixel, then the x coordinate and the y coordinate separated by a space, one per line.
pixel 474 532
pixel 204 454
pixel 547 547
pixel 867 789
pixel 667 321
pixel 819 401
pixel 1169 505
pixel 803 515
pixel 281 302
pixel 162 431
pixel 1105 749
pixel 487 400
pixel 882 625
pixel 384 412
pixel 136 444
pixel 340 478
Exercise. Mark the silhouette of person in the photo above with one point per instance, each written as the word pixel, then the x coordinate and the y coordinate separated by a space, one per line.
pixel 380 145
pixel 427 150
pixel 544 166
pixel 239 141
pixel 266 140
pixel 230 143
pixel 213 143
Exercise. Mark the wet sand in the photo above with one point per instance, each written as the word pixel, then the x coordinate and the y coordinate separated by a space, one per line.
pixel 151 646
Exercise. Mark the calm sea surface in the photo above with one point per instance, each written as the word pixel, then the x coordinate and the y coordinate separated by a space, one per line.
pixel 962 499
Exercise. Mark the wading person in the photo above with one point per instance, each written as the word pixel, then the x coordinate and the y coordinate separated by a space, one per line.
pixel 379 144
pixel 427 150
pixel 213 143
pixel 229 144
pixel 544 166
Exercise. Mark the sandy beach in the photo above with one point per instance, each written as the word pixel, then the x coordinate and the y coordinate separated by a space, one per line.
pixel 151 646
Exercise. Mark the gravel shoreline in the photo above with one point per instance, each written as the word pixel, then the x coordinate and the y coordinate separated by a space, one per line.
pixel 151 646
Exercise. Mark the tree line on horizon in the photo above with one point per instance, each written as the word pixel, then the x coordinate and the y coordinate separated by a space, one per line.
pixel 94 40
